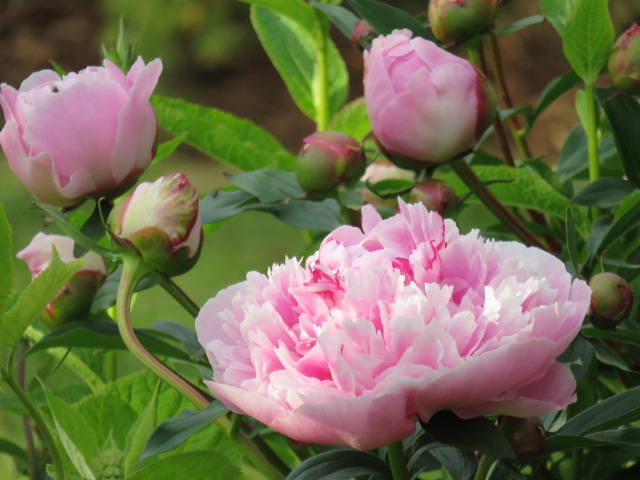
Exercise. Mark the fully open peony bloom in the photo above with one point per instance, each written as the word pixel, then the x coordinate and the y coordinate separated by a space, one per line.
pixel 395 322
pixel 86 134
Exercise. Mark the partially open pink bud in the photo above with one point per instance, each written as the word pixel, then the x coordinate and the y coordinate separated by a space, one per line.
pixel 426 105
pixel 436 195
pixel 362 34
pixel 611 300
pixel 459 19
pixel 526 435
pixel 73 302
pixel 86 134
pixel 329 159
pixel 624 61
pixel 159 222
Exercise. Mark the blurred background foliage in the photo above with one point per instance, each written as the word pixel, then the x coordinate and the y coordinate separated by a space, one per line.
pixel 212 56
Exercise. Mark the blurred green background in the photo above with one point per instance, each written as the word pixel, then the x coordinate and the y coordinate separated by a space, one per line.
pixel 211 56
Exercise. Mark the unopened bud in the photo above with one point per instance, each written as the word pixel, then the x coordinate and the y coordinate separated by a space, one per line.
pixel 525 435
pixel 159 222
pixel 436 195
pixel 329 159
pixel 362 35
pixel 611 300
pixel 459 19
pixel 624 61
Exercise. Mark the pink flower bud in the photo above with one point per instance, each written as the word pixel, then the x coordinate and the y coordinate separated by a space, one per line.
pixel 159 222
pixel 526 435
pixel 73 302
pixel 86 134
pixel 362 34
pixel 624 61
pixel 434 194
pixel 426 105
pixel 611 300
pixel 458 19
pixel 328 159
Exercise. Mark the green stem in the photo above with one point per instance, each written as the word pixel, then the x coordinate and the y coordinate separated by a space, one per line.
pixel 592 133
pixel 320 85
pixel 398 461
pixel 37 417
pixel 71 361
pixel 468 176
pixel 179 295
pixel 483 467
pixel 133 270
pixel 576 464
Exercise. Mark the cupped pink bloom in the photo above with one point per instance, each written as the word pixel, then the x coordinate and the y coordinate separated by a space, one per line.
pixel 73 302
pixel 86 134
pixel 392 323
pixel 424 103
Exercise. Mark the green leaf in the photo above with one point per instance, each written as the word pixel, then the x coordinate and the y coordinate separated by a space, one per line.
pixel 174 431
pixel 141 429
pixel 340 464
pixel 620 438
pixel 6 263
pixel 322 216
pixel 232 140
pixel 294 53
pixel 554 90
pixel 384 18
pixel 608 356
pixel 185 335
pixel 525 189
pixel 108 292
pixel 195 465
pixel 295 10
pixel 588 38
pixel 604 192
pixel 558 12
pixel 35 298
pixel 342 18
pixel 572 240
pixel 167 148
pixel 620 225
pixel 268 185
pixel 10 448
pixel 102 334
pixel 613 412
pixel 76 434
pixel 519 25
pixel 93 228
pixel 619 334
pixel 474 434
pixel 623 112
pixel 461 465
pixel 225 204
pixel 352 119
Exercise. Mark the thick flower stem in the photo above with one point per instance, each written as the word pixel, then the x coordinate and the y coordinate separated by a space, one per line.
pixel 398 461
pixel 483 467
pixel 36 415
pixel 133 270
pixel 468 176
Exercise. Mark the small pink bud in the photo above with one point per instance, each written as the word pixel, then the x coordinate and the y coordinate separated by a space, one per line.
pixel 434 194
pixel 611 300
pixel 73 302
pixel 525 435
pixel 362 34
pixel 459 19
pixel 329 159
pixel 426 106
pixel 624 61
pixel 159 222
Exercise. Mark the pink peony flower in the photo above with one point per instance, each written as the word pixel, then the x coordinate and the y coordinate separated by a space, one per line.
pixel 423 102
pixel 86 134
pixel 73 302
pixel 398 321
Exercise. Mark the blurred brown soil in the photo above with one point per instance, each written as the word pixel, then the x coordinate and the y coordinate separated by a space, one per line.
pixel 34 31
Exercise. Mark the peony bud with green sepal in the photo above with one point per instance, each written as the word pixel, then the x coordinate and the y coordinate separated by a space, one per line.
pixel 624 61
pixel 453 20
pixel 611 300
pixel 159 222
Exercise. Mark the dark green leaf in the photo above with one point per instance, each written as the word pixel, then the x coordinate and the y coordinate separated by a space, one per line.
pixel 613 412
pixel 619 334
pixel 232 140
pixel 599 231
pixel 624 437
pixel 350 198
pixel 10 448
pixel 461 465
pixel 321 216
pixel 174 431
pixel 623 112
pixel 384 18
pixel 572 241
pixel 620 225
pixel 554 90
pixel 588 38
pixel 226 204
pixel 94 228
pixel 108 293
pixel 391 187
pixel 619 263
pixel 342 18
pixel 519 25
pixel 185 335
pixel 103 335
pixel 474 434
pixel 268 185
pixel 195 465
pixel 608 356
pixel 341 464
pixel 604 192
